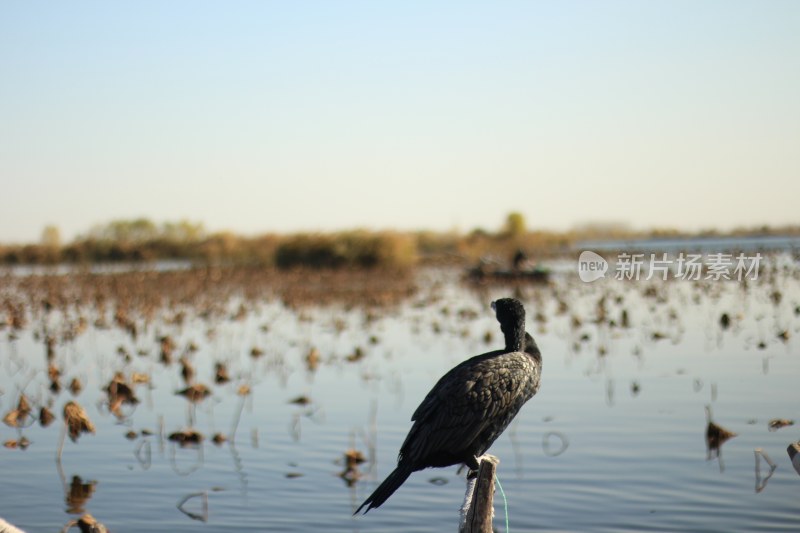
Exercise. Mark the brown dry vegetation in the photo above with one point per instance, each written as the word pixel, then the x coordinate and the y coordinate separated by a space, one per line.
pixel 136 298
pixel 359 249
pixel 142 240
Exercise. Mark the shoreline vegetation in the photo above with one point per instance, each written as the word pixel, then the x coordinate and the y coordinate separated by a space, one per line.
pixel 141 240
pixel 210 290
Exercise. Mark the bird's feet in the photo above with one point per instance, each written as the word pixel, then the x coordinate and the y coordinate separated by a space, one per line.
pixel 474 464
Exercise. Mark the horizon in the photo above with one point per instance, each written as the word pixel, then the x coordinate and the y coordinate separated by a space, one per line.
pixel 262 118
pixel 584 232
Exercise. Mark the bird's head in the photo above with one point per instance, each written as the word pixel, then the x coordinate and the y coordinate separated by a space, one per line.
pixel 508 310
pixel 511 315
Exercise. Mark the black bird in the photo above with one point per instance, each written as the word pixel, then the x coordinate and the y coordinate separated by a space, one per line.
pixel 470 406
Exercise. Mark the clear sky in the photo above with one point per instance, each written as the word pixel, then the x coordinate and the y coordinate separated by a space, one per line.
pixel 295 115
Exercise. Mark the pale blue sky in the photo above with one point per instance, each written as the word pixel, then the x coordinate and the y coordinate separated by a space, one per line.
pixel 284 116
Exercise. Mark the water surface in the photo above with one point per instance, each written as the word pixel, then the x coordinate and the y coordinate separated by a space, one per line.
pixel 614 441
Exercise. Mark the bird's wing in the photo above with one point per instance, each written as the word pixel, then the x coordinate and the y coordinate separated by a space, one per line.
pixel 464 402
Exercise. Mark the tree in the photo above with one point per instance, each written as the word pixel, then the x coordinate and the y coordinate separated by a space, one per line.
pixel 183 231
pixel 134 231
pixel 515 225
pixel 51 237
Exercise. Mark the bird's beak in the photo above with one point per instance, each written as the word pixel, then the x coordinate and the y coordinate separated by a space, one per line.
pixel 494 306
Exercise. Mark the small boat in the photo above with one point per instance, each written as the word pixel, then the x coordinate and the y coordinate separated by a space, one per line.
pixel 486 272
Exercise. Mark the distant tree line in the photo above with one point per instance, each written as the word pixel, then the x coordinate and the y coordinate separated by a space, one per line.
pixel 141 239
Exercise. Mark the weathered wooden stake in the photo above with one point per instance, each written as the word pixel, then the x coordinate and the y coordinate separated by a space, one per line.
pixel 5 527
pixel 478 509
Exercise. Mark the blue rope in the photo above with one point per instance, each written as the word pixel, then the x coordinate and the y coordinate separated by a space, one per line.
pixel 505 501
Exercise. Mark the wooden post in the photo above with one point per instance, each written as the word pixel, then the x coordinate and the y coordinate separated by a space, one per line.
pixel 5 527
pixel 478 510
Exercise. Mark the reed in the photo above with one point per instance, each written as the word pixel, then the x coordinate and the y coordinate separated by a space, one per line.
pixel 352 249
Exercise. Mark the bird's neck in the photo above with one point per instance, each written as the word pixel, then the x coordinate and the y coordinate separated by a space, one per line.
pixel 515 336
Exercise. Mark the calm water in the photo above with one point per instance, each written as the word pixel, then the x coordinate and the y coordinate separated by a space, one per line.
pixel 698 244
pixel 614 441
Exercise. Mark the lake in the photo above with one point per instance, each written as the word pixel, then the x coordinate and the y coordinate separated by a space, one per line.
pixel 615 440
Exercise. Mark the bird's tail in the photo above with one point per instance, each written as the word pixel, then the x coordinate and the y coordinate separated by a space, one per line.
pixel 387 488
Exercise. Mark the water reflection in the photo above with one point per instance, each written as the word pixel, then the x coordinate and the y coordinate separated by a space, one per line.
pixel 186 447
pixel 351 473
pixel 716 436
pixel 610 392
pixel 761 480
pixel 78 494
pixel 202 515
pixel 313 413
pixel 143 454
pixel 238 467
pixel 548 446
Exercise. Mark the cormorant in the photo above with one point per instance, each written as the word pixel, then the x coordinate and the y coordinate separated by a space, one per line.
pixel 470 406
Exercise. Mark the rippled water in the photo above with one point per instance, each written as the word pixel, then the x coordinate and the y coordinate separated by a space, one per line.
pixel 614 441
